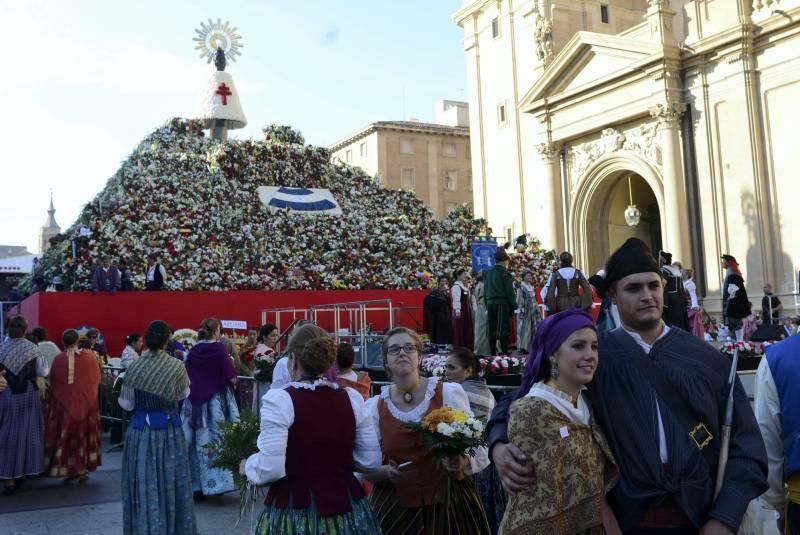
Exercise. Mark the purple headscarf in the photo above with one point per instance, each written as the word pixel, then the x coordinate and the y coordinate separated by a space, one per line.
pixel 550 334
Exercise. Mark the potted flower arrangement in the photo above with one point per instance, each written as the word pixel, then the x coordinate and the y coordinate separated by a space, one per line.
pixel 750 353
pixel 433 365
pixel 502 370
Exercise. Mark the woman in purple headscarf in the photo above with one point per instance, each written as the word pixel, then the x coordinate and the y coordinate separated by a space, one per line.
pixel 210 404
pixel 551 423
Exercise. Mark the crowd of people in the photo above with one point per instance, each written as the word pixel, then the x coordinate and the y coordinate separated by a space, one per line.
pixel 560 455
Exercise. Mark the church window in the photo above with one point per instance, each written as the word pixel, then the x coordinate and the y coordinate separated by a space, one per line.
pixel 363 150
pixel 451 180
pixel 495 28
pixel 348 156
pixel 407 178
pixel 604 14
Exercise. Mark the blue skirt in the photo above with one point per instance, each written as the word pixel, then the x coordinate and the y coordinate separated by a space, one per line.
pixel 21 434
pixel 360 521
pixel 156 486
pixel 219 409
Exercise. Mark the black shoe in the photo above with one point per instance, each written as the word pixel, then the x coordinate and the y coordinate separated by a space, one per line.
pixel 198 496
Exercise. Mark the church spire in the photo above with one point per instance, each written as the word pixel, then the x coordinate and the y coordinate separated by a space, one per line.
pixel 51 216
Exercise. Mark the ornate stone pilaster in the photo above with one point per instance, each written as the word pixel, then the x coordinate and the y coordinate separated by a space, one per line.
pixel 547 150
pixel 553 205
pixel 676 214
pixel 668 115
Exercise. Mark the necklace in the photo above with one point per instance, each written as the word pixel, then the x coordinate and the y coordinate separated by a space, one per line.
pixel 408 395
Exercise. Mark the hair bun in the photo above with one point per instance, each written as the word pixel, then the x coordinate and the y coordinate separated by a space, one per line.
pixel 318 355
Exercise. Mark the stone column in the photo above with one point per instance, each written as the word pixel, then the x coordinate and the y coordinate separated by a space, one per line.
pixel 676 231
pixel 553 236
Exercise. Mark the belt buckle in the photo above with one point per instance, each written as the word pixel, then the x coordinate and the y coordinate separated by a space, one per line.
pixel 705 435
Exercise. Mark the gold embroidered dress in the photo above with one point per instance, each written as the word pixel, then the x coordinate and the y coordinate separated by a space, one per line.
pixel 573 466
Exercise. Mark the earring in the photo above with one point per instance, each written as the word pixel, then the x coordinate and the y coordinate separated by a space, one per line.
pixel 553 368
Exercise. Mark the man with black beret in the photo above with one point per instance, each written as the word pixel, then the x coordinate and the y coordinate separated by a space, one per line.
pixel 660 395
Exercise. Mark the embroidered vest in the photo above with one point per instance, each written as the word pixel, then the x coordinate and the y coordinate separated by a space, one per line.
pixel 401 444
pixel 319 454
pixel 785 368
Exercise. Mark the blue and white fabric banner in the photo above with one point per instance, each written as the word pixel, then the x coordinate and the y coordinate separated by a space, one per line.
pixel 302 201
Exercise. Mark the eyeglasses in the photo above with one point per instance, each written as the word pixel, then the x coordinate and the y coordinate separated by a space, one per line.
pixel 408 349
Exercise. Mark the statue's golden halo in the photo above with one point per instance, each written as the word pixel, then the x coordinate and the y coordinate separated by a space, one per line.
pixel 214 35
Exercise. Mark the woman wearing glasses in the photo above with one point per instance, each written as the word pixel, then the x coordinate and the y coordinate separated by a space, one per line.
pixel 406 497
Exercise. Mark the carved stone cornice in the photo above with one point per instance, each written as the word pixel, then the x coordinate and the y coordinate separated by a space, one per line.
pixel 642 140
pixel 668 114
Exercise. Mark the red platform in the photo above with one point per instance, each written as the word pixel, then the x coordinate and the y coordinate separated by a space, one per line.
pixel 125 312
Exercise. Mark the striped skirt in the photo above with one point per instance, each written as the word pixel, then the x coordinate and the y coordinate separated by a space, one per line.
pixel 465 516
pixel 156 485
pixel 21 434
pixel 274 521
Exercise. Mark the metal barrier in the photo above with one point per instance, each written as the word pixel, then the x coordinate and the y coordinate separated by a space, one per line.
pixel 347 322
pixel 110 411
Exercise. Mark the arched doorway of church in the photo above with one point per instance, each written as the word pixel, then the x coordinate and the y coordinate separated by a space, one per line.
pixel 606 223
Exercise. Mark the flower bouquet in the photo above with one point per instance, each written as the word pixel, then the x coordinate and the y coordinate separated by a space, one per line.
pixel 236 442
pixel 265 365
pixel 447 433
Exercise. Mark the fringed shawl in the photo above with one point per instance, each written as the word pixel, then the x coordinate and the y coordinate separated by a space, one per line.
pixel 15 353
pixel 157 373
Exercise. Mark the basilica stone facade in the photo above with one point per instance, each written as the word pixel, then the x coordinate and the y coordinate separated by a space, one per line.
pixel 683 109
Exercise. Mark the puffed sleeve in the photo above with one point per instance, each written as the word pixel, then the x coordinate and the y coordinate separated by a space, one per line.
pixel 371 408
pixel 367 451
pixel 42 366
pixel 126 398
pixel 277 416
pixel 454 396
pixel 767 408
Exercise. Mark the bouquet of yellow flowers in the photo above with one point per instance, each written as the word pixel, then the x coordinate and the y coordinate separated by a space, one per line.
pixel 450 432
pixel 447 433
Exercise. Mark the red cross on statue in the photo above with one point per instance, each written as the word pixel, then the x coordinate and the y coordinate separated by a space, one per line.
pixel 224 91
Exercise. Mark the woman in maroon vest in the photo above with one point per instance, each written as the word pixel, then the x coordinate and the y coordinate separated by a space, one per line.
pixel 408 497
pixel 314 435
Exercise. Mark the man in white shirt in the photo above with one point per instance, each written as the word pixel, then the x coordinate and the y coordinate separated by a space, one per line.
pixel 156 274
pixel 562 288
pixel 777 408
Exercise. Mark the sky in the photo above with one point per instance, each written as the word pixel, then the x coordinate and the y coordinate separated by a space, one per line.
pixel 83 82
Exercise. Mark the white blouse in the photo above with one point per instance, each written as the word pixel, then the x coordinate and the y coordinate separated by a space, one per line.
pixel 277 416
pixel 452 396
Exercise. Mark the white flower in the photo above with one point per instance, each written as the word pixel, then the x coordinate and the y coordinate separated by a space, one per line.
pixel 445 429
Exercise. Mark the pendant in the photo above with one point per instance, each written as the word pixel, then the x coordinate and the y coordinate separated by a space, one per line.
pixel 408 397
